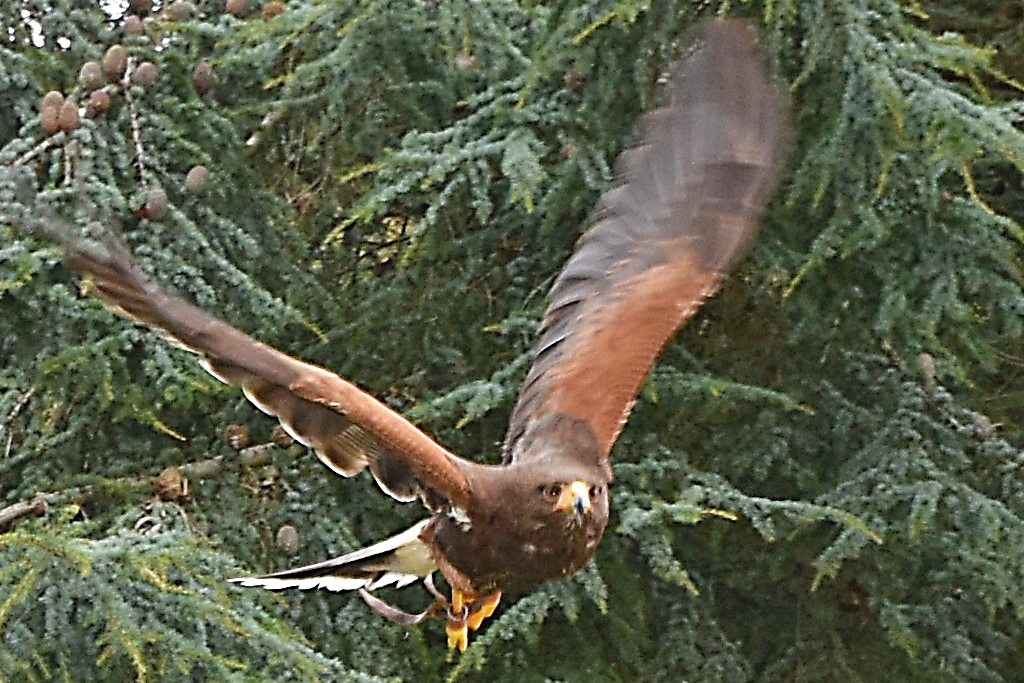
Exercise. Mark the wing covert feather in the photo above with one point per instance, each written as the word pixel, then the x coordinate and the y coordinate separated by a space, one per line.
pixel 687 204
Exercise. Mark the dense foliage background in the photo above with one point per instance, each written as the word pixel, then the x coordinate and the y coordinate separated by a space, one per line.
pixel 823 479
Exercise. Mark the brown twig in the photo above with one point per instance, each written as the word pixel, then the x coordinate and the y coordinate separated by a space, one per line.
pixel 44 145
pixel 10 420
pixel 133 118
pixel 207 468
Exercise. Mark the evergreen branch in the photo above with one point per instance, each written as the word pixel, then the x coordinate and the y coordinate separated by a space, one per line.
pixel 20 593
pixel 44 145
pixel 133 118
pixel 981 425
pixel 119 634
pixel 972 191
pixel 22 401
pixel 206 468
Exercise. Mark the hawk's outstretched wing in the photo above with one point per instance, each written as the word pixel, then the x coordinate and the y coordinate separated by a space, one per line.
pixel 348 428
pixel 689 201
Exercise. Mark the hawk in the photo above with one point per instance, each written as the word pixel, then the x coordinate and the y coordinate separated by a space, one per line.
pixel 687 203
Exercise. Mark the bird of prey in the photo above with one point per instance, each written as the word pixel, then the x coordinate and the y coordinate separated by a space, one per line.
pixel 687 203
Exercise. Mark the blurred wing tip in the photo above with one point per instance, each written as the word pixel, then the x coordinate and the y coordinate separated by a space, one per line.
pixel 686 202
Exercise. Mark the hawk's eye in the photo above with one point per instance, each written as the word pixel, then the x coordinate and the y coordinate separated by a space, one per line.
pixel 551 491
pixel 595 491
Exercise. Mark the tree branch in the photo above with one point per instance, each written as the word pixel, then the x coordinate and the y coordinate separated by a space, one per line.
pixel 168 484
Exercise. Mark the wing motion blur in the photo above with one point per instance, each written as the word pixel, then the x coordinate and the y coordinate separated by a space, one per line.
pixel 688 203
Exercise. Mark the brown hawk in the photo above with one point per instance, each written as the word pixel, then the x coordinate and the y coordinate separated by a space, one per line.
pixel 688 202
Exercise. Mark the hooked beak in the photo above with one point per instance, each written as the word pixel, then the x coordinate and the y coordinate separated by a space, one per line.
pixel 575 497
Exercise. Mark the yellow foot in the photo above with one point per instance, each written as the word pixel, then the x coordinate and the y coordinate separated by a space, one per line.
pixel 458 632
pixel 458 635
pixel 466 614
pixel 481 609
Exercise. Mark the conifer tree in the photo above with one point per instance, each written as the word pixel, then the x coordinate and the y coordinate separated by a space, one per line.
pixel 821 481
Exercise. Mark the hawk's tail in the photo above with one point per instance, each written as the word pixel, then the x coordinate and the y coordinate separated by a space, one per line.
pixel 399 561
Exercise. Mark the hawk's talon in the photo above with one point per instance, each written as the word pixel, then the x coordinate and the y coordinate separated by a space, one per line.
pixel 466 614
pixel 463 613
pixel 458 636
pixel 483 608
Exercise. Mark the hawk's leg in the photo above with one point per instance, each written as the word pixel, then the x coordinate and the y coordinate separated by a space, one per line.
pixel 465 612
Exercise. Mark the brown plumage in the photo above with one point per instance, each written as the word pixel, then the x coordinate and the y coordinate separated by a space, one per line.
pixel 687 204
